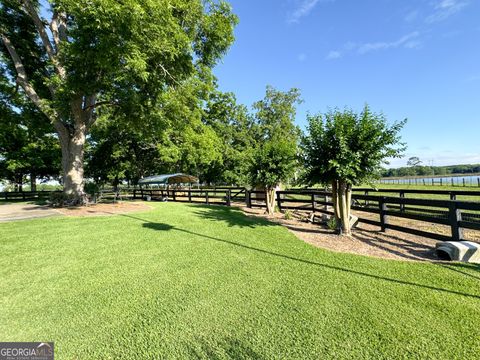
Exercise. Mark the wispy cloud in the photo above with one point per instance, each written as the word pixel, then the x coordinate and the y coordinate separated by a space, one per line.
pixel 443 9
pixel 334 54
pixel 409 41
pixel 304 7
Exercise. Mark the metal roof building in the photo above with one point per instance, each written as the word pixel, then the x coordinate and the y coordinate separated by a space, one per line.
pixel 166 179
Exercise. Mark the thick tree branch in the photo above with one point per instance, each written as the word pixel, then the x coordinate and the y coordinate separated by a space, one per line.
pixel 62 131
pixel 44 36
pixel 101 103
pixel 22 80
pixel 59 28
pixel 76 106
pixel 89 108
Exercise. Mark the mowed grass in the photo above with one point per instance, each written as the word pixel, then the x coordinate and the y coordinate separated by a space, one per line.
pixel 185 281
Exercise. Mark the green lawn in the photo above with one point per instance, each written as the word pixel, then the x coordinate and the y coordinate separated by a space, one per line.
pixel 186 281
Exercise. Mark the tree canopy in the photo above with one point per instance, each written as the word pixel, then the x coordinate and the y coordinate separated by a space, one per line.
pixel 97 54
pixel 344 148
pixel 275 154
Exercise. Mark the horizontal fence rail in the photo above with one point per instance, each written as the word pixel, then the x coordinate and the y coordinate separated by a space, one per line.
pixel 457 215
pixel 27 195
pixel 204 196
pixel 402 192
pixel 464 180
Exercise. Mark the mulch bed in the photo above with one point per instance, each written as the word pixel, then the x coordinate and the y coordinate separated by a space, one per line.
pixel 366 239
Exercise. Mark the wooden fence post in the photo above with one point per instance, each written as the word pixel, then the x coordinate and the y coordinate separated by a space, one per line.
pixel 189 195
pixel 402 206
pixel 248 198
pixel 313 202
pixel 454 216
pixel 174 195
pixel 279 200
pixel 206 197
pixel 453 196
pixel 229 196
pixel 383 217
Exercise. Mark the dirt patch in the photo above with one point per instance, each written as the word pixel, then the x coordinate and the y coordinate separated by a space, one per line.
pixel 366 239
pixel 12 212
pixel 104 209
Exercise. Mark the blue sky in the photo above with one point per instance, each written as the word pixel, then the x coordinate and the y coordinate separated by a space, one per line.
pixel 415 59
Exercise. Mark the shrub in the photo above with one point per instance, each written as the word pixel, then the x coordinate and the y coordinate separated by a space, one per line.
pixel 332 223
pixel 288 215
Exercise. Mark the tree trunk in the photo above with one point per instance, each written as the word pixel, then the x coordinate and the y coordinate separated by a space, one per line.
pixel 72 164
pixel 270 200
pixel 20 183
pixel 349 201
pixel 336 208
pixel 344 208
pixel 33 182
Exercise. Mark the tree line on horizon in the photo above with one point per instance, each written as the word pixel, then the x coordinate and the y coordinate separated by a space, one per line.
pixel 423 170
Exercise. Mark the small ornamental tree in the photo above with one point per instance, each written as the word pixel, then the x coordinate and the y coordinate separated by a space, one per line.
pixel 273 163
pixel 274 156
pixel 343 148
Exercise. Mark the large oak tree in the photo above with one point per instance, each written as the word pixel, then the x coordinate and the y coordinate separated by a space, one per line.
pixel 105 53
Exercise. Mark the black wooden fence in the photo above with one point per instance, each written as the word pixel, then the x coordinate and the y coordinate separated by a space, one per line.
pixel 26 195
pixel 452 194
pixel 457 215
pixel 204 196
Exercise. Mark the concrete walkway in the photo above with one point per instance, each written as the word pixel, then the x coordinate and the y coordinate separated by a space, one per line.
pixel 12 212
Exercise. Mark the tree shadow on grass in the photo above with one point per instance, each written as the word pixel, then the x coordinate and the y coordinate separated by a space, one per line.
pixel 166 227
pixel 230 347
pixel 389 243
pixel 464 269
pixel 229 215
